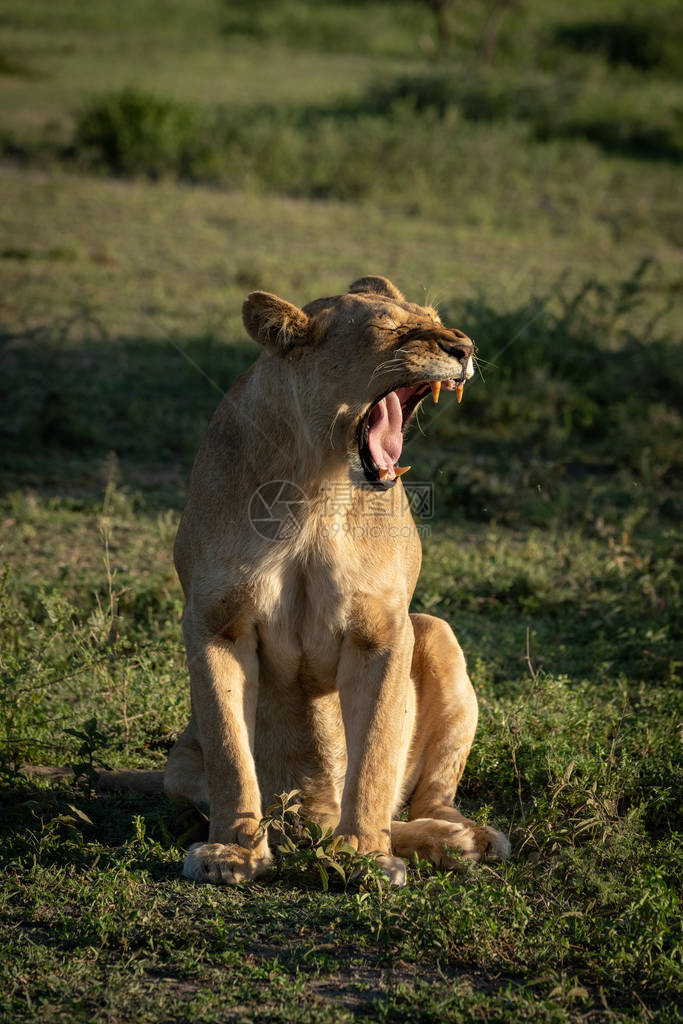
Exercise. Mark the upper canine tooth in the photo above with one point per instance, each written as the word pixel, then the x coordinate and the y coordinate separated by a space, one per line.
pixel 459 390
pixel 435 385
pixel 384 474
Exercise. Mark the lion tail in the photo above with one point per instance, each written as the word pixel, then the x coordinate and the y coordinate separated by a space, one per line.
pixel 136 780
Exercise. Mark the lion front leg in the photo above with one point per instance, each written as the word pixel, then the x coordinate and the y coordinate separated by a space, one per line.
pixel 378 706
pixel 224 679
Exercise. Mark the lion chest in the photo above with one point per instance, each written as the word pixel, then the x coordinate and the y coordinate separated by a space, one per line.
pixel 301 633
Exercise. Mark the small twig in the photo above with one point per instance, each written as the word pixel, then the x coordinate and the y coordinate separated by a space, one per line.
pixel 532 670
pixel 610 1013
pixel 646 1011
pixel 519 780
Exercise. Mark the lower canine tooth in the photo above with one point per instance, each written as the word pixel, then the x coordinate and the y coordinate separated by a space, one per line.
pixel 384 474
pixel 435 385
pixel 458 391
pixel 400 470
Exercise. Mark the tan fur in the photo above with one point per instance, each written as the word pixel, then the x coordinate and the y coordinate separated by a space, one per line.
pixel 306 669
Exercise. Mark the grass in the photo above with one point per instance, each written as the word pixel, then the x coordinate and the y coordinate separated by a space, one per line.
pixel 554 549
pixel 562 522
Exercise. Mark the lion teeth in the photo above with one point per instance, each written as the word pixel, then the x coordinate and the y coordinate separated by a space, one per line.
pixel 435 385
pixel 449 385
pixel 458 391
pixel 393 473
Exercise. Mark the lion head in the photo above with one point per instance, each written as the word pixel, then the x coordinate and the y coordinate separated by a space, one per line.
pixel 353 369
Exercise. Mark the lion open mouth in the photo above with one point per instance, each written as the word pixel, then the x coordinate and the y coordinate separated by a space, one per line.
pixel 383 428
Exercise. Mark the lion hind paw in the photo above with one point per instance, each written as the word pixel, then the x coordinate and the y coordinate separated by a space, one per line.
pixel 432 839
pixel 477 844
pixel 498 847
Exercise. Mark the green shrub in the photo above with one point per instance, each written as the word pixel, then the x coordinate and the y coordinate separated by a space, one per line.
pixel 616 112
pixel 646 37
pixel 133 132
pixel 403 139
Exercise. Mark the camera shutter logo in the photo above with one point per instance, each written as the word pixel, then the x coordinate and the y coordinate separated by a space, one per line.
pixel 277 510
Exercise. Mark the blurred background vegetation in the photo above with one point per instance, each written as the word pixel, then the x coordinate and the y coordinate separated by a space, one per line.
pixel 516 163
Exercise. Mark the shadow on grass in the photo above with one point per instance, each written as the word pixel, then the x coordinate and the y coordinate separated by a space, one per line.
pixel 574 394
pixel 59 825
pixel 67 405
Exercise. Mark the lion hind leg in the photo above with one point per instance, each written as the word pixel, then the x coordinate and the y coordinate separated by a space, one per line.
pixel 446 724
pixel 184 778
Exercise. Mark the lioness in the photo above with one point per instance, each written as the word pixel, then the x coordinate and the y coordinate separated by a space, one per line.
pixel 307 670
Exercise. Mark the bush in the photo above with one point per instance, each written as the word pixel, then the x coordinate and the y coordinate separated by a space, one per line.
pixel 133 132
pixel 403 140
pixel 643 38
pixel 615 112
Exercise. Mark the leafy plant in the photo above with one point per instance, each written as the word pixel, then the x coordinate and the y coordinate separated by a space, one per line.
pixel 93 740
pixel 304 846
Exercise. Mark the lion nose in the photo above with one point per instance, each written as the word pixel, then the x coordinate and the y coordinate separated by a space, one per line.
pixel 457 345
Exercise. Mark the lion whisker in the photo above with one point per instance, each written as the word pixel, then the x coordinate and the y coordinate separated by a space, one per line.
pixel 332 426
pixel 386 367
pixel 476 363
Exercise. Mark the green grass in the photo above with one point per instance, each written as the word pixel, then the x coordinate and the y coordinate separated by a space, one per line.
pixel 552 516
pixel 554 550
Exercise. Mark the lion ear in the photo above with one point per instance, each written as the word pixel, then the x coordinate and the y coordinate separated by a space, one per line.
pixel 377 286
pixel 277 324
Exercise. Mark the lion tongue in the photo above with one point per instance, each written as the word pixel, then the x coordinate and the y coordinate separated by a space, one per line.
pixel 385 435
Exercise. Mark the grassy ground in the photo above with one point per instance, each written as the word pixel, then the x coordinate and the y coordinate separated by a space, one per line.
pixel 554 549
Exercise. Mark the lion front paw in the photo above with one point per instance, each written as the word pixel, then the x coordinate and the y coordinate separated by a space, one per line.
pixel 393 868
pixel 223 864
